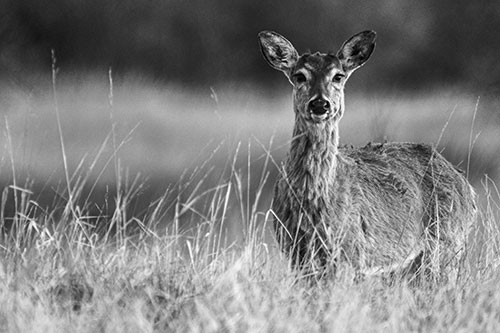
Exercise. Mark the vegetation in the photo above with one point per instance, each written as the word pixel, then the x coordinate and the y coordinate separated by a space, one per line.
pixel 63 270
pixel 88 246
pixel 88 243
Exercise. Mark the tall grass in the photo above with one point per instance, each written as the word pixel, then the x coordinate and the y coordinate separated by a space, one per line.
pixel 62 270
pixel 200 256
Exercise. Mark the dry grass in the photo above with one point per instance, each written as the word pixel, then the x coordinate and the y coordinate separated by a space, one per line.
pixel 199 257
pixel 60 271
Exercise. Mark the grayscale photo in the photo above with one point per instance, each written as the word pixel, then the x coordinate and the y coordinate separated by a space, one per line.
pixel 249 166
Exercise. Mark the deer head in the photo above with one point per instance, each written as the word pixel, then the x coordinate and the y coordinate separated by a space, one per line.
pixel 318 79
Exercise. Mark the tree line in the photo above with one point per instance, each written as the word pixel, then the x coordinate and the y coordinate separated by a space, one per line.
pixel 420 44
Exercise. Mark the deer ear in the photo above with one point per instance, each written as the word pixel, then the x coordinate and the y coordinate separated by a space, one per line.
pixel 356 50
pixel 278 51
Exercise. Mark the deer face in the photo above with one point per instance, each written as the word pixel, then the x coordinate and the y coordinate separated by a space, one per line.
pixel 318 79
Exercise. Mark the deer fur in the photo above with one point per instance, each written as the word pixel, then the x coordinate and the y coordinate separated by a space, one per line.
pixel 383 208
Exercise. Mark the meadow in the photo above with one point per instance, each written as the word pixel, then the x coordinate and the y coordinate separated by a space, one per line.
pixel 132 206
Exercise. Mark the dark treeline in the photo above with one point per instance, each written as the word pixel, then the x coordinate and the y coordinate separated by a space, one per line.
pixel 198 42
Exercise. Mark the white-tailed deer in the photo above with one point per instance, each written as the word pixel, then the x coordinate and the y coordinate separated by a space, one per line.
pixel 397 208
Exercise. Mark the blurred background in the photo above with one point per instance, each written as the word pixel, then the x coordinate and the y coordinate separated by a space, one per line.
pixel 167 85
pixel 199 43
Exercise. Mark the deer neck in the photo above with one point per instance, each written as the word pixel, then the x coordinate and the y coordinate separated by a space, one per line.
pixel 312 162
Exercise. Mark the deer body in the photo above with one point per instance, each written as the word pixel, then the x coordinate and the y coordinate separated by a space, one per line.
pixel 382 208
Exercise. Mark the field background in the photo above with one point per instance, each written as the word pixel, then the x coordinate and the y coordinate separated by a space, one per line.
pixel 140 141
pixel 164 131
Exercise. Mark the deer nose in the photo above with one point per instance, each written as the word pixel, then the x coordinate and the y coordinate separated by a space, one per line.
pixel 319 106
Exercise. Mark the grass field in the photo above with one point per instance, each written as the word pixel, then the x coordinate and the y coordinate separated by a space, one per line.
pixel 154 215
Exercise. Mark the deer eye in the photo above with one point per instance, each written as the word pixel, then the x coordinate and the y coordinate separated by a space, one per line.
pixel 337 78
pixel 299 78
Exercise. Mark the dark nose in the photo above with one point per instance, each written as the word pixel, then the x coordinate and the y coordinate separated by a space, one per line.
pixel 319 106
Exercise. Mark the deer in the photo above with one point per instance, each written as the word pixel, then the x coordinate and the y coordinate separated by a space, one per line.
pixel 391 209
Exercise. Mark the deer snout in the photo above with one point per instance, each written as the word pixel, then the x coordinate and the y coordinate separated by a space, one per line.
pixel 319 106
